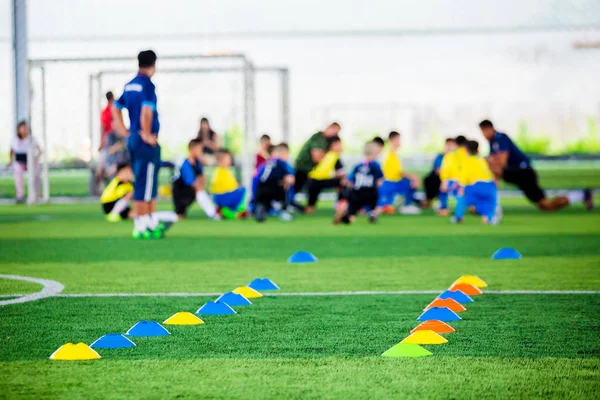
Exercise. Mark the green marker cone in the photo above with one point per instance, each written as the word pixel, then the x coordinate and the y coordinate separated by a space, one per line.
pixel 407 350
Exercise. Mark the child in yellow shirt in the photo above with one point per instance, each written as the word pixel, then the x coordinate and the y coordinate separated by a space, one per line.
pixel 228 196
pixel 397 181
pixel 450 171
pixel 328 173
pixel 477 187
pixel 117 195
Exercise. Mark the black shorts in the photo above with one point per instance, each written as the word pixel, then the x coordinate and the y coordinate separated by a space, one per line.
pixel 183 198
pixel 432 185
pixel 265 194
pixel 359 199
pixel 300 180
pixel 525 179
pixel 107 208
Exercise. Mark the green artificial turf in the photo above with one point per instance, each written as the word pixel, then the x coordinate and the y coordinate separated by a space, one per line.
pixel 8 286
pixel 553 175
pixel 502 338
pixel 527 345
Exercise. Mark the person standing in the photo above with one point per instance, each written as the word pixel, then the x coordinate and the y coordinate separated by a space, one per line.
pixel 311 153
pixel 19 150
pixel 210 142
pixel 106 129
pixel 508 162
pixel 106 118
pixel 139 98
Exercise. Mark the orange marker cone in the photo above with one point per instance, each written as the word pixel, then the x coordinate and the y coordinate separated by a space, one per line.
pixel 448 303
pixel 466 288
pixel 434 325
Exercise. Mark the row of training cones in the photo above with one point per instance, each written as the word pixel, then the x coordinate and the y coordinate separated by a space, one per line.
pixel 223 305
pixel 442 309
pixel 505 253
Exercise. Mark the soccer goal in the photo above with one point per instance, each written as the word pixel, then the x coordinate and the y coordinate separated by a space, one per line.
pixel 67 93
pixel 186 94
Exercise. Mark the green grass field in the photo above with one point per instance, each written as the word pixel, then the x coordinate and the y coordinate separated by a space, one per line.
pixel 325 346
pixel 553 175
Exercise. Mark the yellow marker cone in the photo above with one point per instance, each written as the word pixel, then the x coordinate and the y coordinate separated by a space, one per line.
pixel 247 292
pixel 472 280
pixel 71 352
pixel 183 318
pixel 424 337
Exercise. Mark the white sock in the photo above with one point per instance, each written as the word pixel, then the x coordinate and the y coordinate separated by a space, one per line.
pixel 206 203
pixel 498 210
pixel 575 197
pixel 120 206
pixel 152 221
pixel 140 223
pixel 166 216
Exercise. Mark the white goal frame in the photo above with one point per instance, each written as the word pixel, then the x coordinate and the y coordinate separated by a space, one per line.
pixel 96 87
pixel 246 67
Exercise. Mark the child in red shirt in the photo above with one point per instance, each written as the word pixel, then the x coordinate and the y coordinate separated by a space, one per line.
pixel 262 155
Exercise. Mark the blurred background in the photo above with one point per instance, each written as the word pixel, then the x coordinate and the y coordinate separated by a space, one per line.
pixel 428 69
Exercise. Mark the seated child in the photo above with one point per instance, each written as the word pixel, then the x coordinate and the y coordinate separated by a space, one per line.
pixel 380 143
pixel 432 181
pixel 363 183
pixel 328 173
pixel 117 195
pixel 263 154
pixel 227 194
pixel 397 181
pixel 449 173
pixel 477 187
pixel 275 178
pixel 256 179
pixel 188 184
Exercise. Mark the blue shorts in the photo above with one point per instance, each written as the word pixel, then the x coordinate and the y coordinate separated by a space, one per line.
pixel 231 200
pixel 145 162
pixel 483 196
pixel 390 189
pixel 453 187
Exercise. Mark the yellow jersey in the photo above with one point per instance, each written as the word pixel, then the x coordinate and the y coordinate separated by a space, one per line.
pixel 452 164
pixel 223 181
pixel 475 169
pixel 115 190
pixel 326 168
pixel 392 167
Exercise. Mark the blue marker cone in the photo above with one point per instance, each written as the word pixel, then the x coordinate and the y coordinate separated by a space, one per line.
pixel 147 328
pixel 506 253
pixel 215 308
pixel 263 284
pixel 302 257
pixel 456 295
pixel 112 341
pixel 233 299
pixel 443 314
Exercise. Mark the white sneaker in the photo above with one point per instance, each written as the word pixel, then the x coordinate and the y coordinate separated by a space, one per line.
pixel 285 216
pixel 498 214
pixel 410 210
pixel 216 217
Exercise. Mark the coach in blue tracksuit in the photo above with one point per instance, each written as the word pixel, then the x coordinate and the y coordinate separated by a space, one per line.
pixel 508 163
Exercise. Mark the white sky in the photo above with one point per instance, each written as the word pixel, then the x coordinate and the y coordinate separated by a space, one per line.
pixel 457 74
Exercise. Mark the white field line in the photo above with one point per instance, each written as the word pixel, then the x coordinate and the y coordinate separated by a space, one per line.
pixel 50 288
pixel 54 289
pixel 310 294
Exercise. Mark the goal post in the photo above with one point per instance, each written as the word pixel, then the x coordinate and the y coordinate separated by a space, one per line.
pixel 242 65
pixel 96 88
